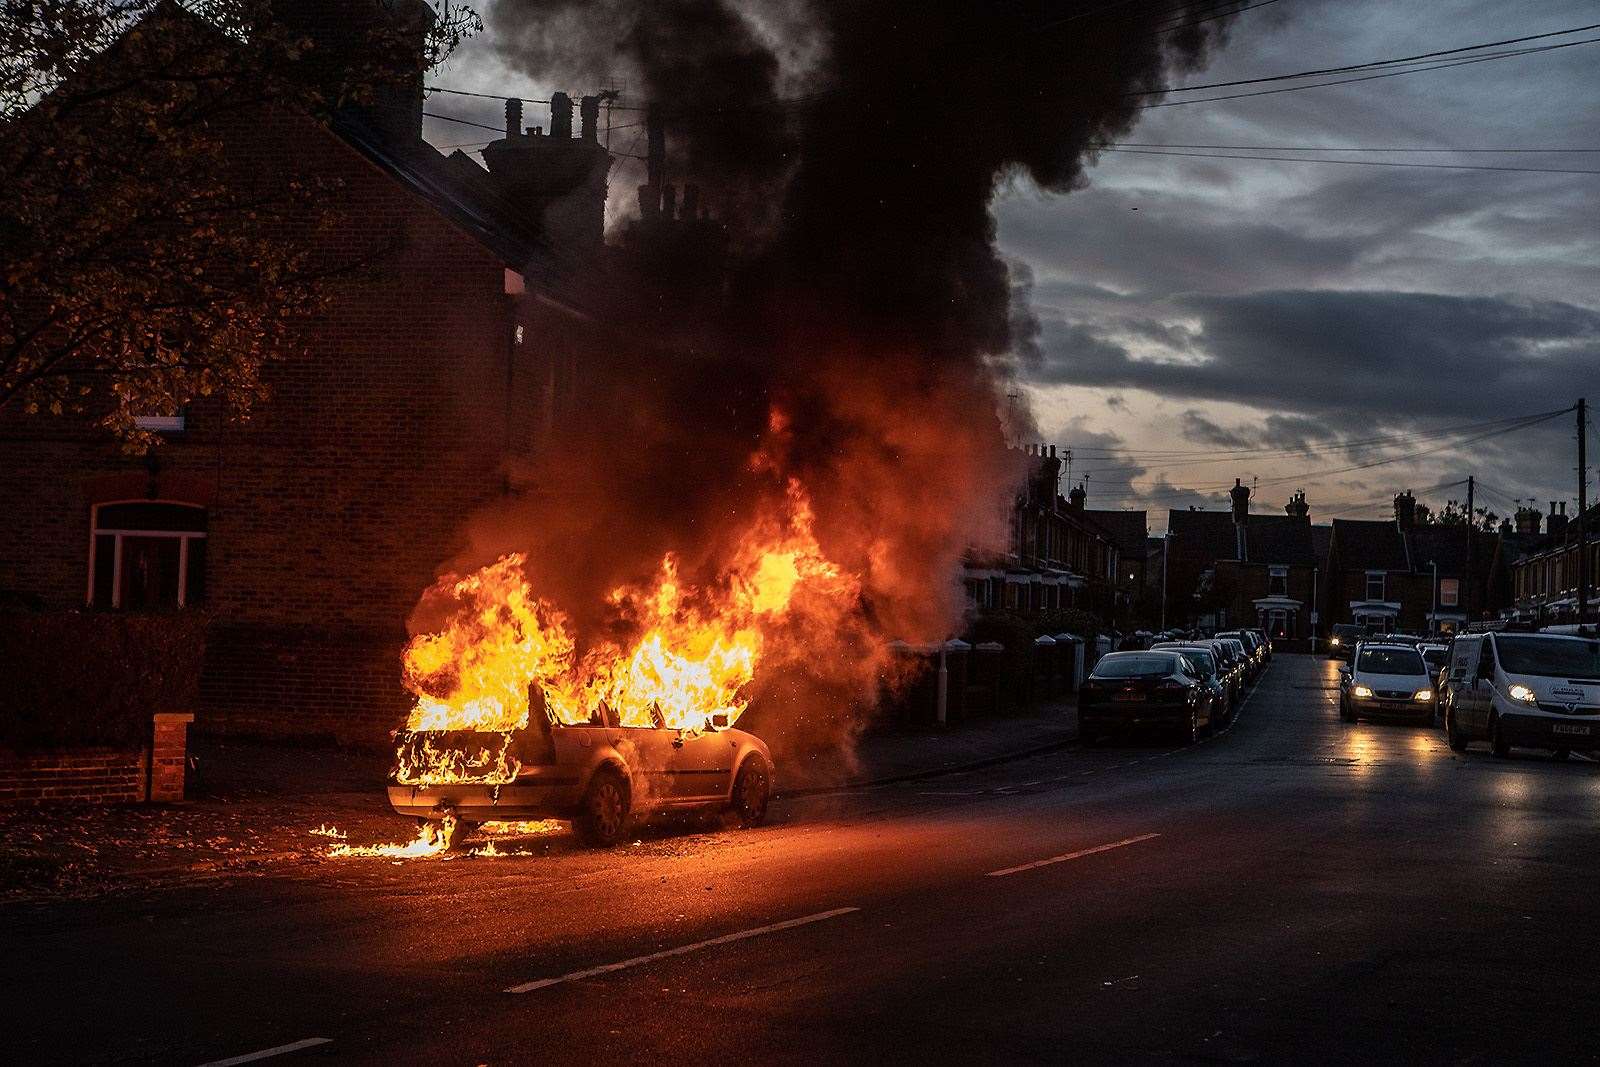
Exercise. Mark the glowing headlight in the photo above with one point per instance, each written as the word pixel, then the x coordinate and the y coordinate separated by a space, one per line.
pixel 1423 694
pixel 1523 693
pixel 1361 691
pixel 1334 642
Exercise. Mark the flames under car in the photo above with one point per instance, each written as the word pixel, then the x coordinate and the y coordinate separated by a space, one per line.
pixel 599 775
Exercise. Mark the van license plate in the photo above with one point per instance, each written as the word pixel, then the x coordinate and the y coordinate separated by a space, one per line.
pixel 1568 728
pixel 1130 696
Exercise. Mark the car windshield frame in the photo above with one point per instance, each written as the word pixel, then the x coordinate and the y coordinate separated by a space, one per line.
pixel 1202 658
pixel 1391 656
pixel 1169 665
pixel 1531 655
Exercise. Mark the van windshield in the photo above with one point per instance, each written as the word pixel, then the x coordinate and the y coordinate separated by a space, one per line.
pixel 1391 661
pixel 1553 657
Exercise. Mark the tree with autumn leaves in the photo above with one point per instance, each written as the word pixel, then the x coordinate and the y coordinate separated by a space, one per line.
pixel 139 269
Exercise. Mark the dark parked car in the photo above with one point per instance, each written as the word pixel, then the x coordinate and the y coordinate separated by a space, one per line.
pixel 1204 657
pixel 1266 642
pixel 1144 691
pixel 1253 650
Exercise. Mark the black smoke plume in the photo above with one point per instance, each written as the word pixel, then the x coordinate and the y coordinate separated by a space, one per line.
pixel 849 150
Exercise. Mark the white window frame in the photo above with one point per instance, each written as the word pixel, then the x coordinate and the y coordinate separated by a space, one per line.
pixel 1274 572
pixel 95 533
pixel 1453 599
pixel 1383 586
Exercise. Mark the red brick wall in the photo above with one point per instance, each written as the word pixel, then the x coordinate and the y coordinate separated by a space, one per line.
pixel 343 497
pixel 106 776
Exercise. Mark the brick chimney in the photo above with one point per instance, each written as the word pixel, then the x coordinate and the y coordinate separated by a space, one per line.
pixel 1241 514
pixel 1528 520
pixel 1077 497
pixel 1405 511
pixel 558 180
pixel 1297 507
pixel 1558 521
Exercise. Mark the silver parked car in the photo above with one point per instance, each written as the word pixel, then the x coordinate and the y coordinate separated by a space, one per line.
pixel 600 776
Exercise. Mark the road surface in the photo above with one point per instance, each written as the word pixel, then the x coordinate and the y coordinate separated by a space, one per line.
pixel 1291 889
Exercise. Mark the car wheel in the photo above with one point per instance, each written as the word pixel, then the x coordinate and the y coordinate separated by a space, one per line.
pixel 1347 713
pixel 1191 733
pixel 1497 739
pixel 752 789
pixel 1452 731
pixel 1561 753
pixel 452 831
pixel 602 818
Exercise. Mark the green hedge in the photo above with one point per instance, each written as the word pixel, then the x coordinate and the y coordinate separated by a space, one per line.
pixel 83 678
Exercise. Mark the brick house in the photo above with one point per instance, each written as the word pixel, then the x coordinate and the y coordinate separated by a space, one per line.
pixel 1234 568
pixel 309 531
pixel 1401 576
pixel 1537 574
pixel 1056 558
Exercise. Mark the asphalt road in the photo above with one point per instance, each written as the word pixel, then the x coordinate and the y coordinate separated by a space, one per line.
pixel 1293 889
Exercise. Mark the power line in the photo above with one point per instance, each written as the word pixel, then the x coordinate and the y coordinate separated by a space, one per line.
pixel 1350 444
pixel 464 122
pixel 1356 162
pixel 1371 77
pixel 1366 65
pixel 1342 148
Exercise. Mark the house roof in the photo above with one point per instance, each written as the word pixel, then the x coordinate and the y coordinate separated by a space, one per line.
pixel 1320 537
pixel 454 185
pixel 1447 546
pixel 1370 544
pixel 1268 538
pixel 1125 529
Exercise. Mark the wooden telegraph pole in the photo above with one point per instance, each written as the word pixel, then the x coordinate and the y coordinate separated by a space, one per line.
pixel 1583 501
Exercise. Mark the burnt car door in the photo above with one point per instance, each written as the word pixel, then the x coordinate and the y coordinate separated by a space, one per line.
pixel 700 765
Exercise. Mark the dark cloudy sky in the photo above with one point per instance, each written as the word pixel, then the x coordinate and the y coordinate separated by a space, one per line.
pixel 1249 305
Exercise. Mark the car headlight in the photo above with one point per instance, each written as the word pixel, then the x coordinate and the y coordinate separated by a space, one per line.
pixel 1334 642
pixel 1361 691
pixel 1523 693
pixel 1423 694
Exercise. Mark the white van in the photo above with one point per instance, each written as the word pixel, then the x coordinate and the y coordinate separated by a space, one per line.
pixel 1529 690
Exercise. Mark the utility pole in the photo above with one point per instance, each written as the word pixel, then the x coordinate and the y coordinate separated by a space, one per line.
pixel 1166 539
pixel 1583 501
pixel 1472 520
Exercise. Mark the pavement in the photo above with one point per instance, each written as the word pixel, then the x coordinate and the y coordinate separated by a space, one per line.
pixel 1291 889
pixel 256 806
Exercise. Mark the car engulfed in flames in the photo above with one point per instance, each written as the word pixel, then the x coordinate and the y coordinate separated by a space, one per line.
pixel 513 722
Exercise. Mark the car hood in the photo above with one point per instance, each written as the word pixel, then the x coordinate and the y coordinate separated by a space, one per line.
pixel 1411 682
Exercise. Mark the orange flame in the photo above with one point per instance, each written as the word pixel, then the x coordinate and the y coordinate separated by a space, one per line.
pixel 688 666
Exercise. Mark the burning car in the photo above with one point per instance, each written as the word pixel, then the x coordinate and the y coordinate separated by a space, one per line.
pixel 599 775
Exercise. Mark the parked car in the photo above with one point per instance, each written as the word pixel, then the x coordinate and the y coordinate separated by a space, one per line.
pixel 1204 657
pixel 1342 642
pixel 600 776
pixel 1247 658
pixel 1385 679
pixel 1528 690
pixel 1437 657
pixel 1266 642
pixel 1143 691
pixel 1230 661
pixel 1254 648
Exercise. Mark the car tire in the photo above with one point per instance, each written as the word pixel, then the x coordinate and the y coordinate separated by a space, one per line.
pixel 1190 734
pixel 452 831
pixel 1457 739
pixel 1497 739
pixel 1561 754
pixel 602 818
pixel 1346 712
pixel 752 790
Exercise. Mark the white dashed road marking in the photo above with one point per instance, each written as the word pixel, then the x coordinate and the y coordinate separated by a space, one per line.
pixel 268 1053
pixel 789 924
pixel 1072 855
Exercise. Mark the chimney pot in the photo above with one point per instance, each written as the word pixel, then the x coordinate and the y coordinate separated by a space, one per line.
pixel 589 116
pixel 513 117
pixel 561 116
